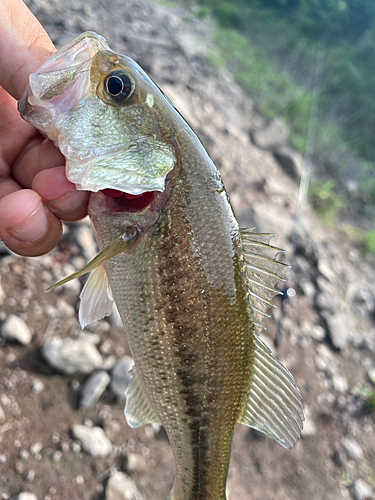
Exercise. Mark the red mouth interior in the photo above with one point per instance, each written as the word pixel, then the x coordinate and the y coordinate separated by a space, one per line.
pixel 131 202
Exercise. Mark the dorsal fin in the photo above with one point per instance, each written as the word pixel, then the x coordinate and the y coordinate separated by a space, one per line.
pixel 262 270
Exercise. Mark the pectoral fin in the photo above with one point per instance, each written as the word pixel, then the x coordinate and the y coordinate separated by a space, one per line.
pixel 138 409
pixel 96 298
pixel 274 404
pixel 118 245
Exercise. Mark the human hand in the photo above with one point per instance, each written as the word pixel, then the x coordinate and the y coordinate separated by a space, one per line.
pixel 34 192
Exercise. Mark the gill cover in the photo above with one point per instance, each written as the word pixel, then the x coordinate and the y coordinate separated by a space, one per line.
pixel 97 106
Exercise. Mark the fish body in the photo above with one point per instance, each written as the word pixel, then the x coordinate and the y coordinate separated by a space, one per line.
pixel 190 286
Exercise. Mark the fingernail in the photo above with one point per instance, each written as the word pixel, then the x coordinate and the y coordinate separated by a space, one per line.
pixel 69 202
pixel 33 227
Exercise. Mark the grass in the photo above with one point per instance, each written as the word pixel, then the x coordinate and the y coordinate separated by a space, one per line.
pixel 369 241
pixel 369 398
pixel 324 200
pixel 273 90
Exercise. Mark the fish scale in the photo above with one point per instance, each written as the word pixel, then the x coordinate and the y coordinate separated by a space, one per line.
pixel 191 287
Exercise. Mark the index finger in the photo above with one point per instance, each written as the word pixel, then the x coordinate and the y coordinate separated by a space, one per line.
pixel 24 46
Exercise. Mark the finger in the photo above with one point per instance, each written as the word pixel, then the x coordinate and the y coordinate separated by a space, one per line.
pixel 25 168
pixel 8 186
pixel 60 195
pixel 15 133
pixel 27 227
pixel 50 156
pixel 38 155
pixel 24 46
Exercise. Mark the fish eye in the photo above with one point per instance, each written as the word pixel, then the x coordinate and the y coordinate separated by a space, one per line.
pixel 117 86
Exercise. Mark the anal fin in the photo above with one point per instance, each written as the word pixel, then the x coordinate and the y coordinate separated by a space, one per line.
pixel 138 409
pixel 274 404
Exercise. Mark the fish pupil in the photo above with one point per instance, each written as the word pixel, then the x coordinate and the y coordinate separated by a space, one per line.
pixel 114 85
pixel 117 86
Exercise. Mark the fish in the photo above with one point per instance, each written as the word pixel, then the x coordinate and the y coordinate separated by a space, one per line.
pixel 191 287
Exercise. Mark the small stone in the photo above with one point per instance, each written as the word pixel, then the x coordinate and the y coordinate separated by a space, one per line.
pixel 55 438
pixel 71 356
pixel 36 448
pixel 339 329
pixel 94 338
pixel 16 330
pixel 361 490
pixel 79 480
pixel 24 455
pixel 3 459
pixel 290 161
pixel 30 476
pixel 94 441
pixel 76 447
pixel 352 449
pixel 2 295
pixel 121 487
pixel 57 455
pixel 340 383
pixel 64 447
pixel 109 363
pixel 316 332
pixel 309 426
pixel 93 388
pixel 65 309
pixel 26 496
pixel 37 386
pixel 3 417
pixel 370 375
pixel 120 376
pixel 272 136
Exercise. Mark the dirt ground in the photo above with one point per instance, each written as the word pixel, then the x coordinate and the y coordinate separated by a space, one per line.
pixel 40 405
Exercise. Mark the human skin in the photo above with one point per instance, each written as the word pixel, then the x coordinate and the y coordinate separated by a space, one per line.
pixel 35 195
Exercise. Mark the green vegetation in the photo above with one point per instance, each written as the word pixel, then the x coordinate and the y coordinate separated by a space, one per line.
pixel 273 90
pixel 282 51
pixel 369 397
pixel 369 241
pixel 324 200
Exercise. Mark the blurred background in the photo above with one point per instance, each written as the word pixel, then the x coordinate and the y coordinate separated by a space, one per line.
pixel 281 92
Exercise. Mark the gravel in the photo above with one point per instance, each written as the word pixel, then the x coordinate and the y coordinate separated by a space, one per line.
pixel 26 496
pixel 94 441
pixel 361 490
pixel 15 329
pixel 93 388
pixel 120 376
pixel 339 329
pixel 121 487
pixel 71 356
pixel 352 449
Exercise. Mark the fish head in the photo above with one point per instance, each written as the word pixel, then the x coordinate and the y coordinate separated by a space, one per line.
pixel 104 114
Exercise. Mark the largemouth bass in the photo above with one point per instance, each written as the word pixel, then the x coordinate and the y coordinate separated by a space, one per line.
pixel 191 287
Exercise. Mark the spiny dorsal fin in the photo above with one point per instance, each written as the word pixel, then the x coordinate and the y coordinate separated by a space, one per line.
pixel 262 272
pixel 138 409
pixel 274 403
pixel 96 298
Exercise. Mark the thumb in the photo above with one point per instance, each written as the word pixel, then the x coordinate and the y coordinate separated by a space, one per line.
pixel 24 46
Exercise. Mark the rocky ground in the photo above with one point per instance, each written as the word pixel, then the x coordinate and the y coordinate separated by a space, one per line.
pixel 62 430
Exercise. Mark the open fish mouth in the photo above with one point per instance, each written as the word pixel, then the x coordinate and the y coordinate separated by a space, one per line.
pixel 130 202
